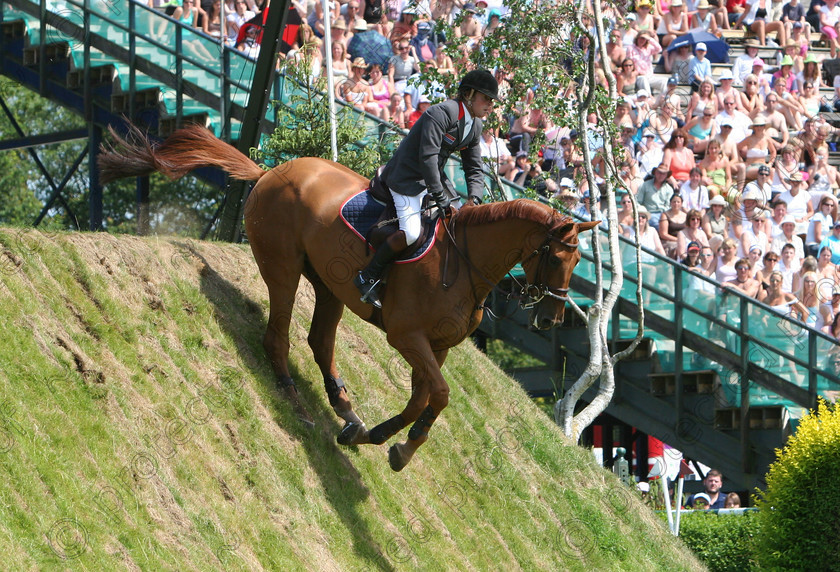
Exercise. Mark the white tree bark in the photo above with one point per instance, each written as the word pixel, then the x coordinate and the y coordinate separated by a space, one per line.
pixel 601 364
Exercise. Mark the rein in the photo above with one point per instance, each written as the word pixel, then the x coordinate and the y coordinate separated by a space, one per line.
pixel 529 294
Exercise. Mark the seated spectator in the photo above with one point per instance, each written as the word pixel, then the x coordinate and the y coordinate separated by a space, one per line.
pixel 671 223
pixel 754 256
pixel 396 110
pixel 704 20
pixel 711 491
pixel 494 150
pixel 829 17
pixel 715 169
pixel 655 194
pixel 768 267
pixel 691 234
pixel 820 223
pixel 678 64
pixel 789 265
pixel 740 122
pixel 832 311
pixel 743 64
pixel 694 193
pixel 799 206
pixel 806 294
pixel 714 223
pixel 824 177
pixel 780 301
pixel 443 62
pixel 752 203
pixel 628 82
pixel 402 66
pixel 788 105
pixel 725 263
pixel 249 44
pixel 788 227
pixel 758 151
pixel 826 271
pixel 239 16
pixel 677 157
pixel 701 129
pixel 701 501
pixel 340 62
pixel 832 242
pixel 752 103
pixel 743 282
pixel 755 18
pixel 641 53
pixel 650 154
pixel 648 238
pixel 422 43
pixel 753 234
pixel 674 23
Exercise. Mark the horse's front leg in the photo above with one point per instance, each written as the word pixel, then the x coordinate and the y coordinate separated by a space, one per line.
pixel 430 395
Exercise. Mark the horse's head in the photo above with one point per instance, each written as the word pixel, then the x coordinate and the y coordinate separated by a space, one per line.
pixel 548 270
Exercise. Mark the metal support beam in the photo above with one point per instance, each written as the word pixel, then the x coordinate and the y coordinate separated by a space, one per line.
pixel 229 225
pixel 95 189
pixel 46 139
pixel 41 167
pixel 142 206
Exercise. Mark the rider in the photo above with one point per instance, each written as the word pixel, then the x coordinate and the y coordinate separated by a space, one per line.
pixel 416 169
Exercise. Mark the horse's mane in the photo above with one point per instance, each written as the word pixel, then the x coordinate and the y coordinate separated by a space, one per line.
pixel 519 209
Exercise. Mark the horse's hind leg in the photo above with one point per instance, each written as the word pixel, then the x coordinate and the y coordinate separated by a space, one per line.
pixel 327 314
pixel 282 286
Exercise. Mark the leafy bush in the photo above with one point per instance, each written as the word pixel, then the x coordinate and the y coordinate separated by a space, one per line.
pixel 799 513
pixel 303 129
pixel 724 542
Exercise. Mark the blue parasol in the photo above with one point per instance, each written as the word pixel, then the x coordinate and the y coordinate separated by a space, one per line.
pixel 716 49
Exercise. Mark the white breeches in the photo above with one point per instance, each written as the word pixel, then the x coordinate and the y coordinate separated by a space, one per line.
pixel 408 213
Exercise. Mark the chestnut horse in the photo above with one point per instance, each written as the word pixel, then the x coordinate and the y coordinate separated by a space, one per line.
pixel 430 305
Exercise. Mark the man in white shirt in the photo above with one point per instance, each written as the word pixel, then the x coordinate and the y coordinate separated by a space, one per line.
pixel 741 122
pixel 798 202
pixel 650 154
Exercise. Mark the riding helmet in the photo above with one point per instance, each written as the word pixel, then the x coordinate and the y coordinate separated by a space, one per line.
pixel 481 81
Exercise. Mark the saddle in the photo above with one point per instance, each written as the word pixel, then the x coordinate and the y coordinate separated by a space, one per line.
pixel 387 223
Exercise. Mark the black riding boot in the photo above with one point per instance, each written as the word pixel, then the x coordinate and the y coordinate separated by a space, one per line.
pixel 369 280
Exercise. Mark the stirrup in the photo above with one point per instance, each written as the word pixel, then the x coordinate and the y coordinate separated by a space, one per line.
pixel 368 289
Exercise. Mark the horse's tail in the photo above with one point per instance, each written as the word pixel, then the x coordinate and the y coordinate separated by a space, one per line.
pixel 186 149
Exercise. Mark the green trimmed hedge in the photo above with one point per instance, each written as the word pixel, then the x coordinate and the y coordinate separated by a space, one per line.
pixel 799 513
pixel 724 542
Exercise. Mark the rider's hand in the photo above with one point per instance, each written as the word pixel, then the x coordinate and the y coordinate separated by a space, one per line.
pixel 442 201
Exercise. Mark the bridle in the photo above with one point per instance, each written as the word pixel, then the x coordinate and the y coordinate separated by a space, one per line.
pixel 529 294
pixel 532 294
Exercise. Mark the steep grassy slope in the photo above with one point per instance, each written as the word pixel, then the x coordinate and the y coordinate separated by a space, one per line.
pixel 140 429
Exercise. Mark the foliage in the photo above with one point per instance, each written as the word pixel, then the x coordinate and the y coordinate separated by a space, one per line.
pixel 724 542
pixel 508 357
pixel 183 207
pixel 303 128
pixel 800 508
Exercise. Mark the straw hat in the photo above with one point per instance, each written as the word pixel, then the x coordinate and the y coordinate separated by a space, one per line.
pixel 359 63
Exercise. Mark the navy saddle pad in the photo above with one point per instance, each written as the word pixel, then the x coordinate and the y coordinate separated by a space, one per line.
pixel 360 212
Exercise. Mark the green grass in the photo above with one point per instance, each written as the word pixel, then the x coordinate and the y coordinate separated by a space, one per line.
pixel 140 428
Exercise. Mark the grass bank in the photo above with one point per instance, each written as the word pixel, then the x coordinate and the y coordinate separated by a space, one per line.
pixel 140 429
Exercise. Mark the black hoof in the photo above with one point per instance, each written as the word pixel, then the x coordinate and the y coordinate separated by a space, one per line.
pixel 395 459
pixel 349 433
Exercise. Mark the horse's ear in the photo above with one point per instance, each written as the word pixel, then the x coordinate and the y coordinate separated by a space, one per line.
pixel 584 226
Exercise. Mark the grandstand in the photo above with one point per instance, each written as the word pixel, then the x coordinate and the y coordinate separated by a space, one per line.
pixel 723 379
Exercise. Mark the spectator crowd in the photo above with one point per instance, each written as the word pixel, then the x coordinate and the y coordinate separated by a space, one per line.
pixel 729 164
